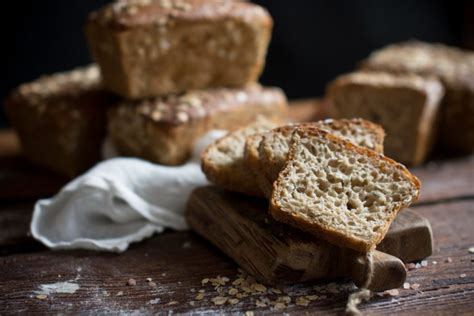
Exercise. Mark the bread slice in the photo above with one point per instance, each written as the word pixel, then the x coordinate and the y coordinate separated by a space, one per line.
pixel 223 161
pixel 407 106
pixel 343 193
pixel 273 149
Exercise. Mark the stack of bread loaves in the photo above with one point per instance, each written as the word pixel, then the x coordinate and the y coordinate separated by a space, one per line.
pixel 174 69
pixel 422 94
pixel 329 178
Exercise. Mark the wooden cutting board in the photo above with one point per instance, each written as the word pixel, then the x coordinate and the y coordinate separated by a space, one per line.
pixel 276 253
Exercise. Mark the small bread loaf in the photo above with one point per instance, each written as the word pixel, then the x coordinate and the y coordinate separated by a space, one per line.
pixel 223 162
pixel 455 69
pixel 147 48
pixel 61 119
pixel 164 129
pixel 268 156
pixel 406 106
pixel 343 193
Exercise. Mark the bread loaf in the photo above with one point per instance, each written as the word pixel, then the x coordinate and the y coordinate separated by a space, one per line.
pixel 343 193
pixel 164 129
pixel 407 107
pixel 61 119
pixel 147 48
pixel 454 68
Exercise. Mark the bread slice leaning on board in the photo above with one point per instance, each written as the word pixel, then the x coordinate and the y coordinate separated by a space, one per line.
pixel 340 192
pixel 266 154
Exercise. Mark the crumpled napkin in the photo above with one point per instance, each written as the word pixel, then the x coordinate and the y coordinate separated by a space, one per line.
pixel 119 201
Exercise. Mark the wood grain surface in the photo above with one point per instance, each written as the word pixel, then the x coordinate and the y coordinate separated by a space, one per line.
pixel 178 262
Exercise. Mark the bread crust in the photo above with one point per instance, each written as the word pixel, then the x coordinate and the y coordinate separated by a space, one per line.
pixel 327 233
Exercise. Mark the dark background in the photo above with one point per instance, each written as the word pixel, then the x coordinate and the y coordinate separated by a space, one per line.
pixel 313 41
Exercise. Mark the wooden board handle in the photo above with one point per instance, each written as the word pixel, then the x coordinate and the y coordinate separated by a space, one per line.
pixel 387 272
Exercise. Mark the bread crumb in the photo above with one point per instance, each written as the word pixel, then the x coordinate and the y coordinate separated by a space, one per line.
pixel 301 301
pixel 424 263
pixel 462 275
pixel 393 292
pixel 219 300
pixel 415 286
pixel 200 296
pixel 132 282
pixel 406 285
pixel 434 263
pixel 148 279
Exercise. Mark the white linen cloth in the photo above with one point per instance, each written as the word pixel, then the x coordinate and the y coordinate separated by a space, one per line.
pixel 119 201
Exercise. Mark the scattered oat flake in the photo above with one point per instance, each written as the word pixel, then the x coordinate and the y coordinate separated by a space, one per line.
pixel 202 291
pixel 219 300
pixel 132 282
pixel 119 293
pixel 301 301
pixel 276 291
pixel 259 303
pixel 279 305
pixel 249 313
pixel 200 296
pixel 205 281
pixel 233 291
pixel 41 296
pixel 237 282
pixel 148 279
pixel 424 263
pixel 173 303
pixel 191 303
pixel 311 297
pixel 152 284
pixel 406 285
pixel 471 250
pixel 462 275
pixel 415 286
pixel 259 287
pixel 435 263
pixel 448 260
pixel 410 266
pixel 233 301
pixel 393 292
pixel 417 266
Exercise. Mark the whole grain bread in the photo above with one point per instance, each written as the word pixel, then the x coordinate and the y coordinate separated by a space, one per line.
pixel 407 107
pixel 164 129
pixel 267 157
pixel 343 193
pixel 454 68
pixel 223 161
pixel 147 48
pixel 60 119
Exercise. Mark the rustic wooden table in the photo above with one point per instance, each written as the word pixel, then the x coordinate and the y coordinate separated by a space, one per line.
pixel 36 280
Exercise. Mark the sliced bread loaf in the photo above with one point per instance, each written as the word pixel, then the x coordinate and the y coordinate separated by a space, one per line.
pixel 343 193
pixel 223 161
pixel 268 160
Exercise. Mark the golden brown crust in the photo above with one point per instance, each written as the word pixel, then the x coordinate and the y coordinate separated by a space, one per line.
pixel 328 233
